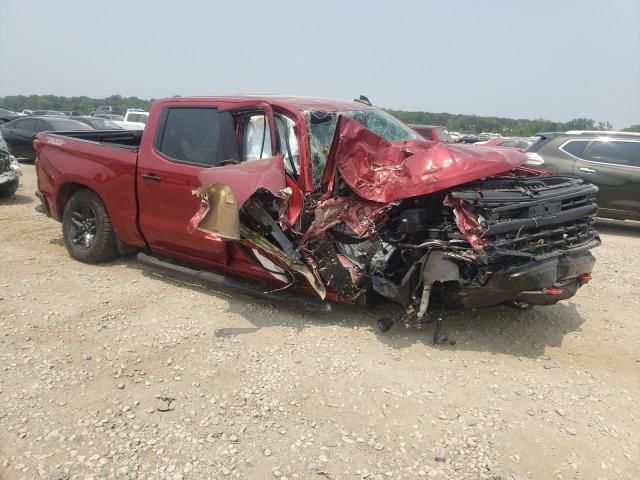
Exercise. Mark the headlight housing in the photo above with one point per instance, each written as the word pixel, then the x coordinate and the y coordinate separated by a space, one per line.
pixel 14 165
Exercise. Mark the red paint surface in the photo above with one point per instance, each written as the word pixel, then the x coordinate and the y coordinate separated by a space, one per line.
pixel 381 171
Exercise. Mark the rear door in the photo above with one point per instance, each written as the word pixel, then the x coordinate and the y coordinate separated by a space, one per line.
pixel 187 141
pixel 614 166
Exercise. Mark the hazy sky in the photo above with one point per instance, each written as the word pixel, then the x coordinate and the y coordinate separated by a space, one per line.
pixel 550 59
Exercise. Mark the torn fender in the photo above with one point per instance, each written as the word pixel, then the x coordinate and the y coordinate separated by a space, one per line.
pixel 381 171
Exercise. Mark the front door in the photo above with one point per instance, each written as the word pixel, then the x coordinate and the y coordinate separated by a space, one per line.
pixel 188 141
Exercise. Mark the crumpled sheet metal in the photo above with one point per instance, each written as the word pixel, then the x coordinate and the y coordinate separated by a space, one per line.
pixel 282 259
pixel 357 214
pixel 381 171
pixel 467 223
pixel 225 189
pixel 246 178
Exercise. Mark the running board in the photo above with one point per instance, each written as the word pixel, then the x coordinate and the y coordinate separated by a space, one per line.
pixel 256 289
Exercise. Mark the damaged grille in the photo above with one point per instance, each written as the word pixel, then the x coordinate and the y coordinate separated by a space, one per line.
pixel 533 218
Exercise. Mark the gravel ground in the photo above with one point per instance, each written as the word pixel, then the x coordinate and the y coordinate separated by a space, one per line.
pixel 89 355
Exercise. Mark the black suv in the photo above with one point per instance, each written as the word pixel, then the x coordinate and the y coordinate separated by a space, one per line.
pixel 610 160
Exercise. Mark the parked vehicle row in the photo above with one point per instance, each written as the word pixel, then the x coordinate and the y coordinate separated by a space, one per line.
pixel 19 134
pixel 133 119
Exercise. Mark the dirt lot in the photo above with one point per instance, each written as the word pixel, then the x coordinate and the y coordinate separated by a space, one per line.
pixel 88 352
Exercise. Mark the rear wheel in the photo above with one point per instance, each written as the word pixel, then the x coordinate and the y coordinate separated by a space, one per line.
pixel 8 188
pixel 87 230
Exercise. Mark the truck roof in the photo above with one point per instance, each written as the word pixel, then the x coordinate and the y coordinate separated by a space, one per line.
pixel 301 103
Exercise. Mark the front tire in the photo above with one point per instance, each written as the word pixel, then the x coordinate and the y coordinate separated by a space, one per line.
pixel 8 188
pixel 87 230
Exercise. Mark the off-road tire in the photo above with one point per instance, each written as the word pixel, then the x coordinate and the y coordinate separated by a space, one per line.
pixel 102 246
pixel 8 188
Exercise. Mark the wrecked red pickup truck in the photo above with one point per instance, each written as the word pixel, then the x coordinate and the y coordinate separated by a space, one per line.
pixel 278 196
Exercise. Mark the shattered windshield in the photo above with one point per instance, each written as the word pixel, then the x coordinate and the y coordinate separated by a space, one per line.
pixel 322 126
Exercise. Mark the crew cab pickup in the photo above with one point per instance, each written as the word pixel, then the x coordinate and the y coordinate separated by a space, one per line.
pixel 310 200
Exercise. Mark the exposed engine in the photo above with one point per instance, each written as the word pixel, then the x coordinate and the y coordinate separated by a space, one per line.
pixel 464 237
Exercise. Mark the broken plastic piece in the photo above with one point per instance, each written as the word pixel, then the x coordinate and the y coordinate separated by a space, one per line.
pixel 166 404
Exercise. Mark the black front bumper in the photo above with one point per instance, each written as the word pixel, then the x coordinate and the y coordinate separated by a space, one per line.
pixel 542 282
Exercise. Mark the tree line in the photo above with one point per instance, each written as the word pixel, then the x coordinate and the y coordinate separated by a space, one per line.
pixel 504 126
pixel 454 122
pixel 82 105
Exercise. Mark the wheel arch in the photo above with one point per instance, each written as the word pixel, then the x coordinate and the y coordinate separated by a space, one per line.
pixel 66 191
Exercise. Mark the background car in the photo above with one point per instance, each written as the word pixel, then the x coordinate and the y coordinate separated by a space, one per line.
pixel 109 109
pixel 49 113
pixel 469 139
pixel 99 123
pixel 9 171
pixel 7 115
pixel 20 133
pixel 517 143
pixel 433 133
pixel 135 119
pixel 610 160
pixel 110 116
pixel 456 136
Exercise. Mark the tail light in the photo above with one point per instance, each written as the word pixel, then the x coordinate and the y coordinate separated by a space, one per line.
pixel 553 291
pixel 533 159
pixel 585 277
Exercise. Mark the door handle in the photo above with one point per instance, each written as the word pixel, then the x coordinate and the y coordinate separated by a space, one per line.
pixel 588 170
pixel 152 177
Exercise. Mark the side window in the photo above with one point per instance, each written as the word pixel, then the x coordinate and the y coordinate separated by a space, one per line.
pixel 507 143
pixel 201 136
pixel 27 125
pixel 575 148
pixel 616 152
pixel 256 138
pixel 41 126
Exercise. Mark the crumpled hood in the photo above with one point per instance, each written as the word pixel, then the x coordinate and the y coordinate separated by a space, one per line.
pixel 382 171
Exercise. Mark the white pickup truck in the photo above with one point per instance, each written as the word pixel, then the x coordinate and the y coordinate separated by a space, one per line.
pixel 134 119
